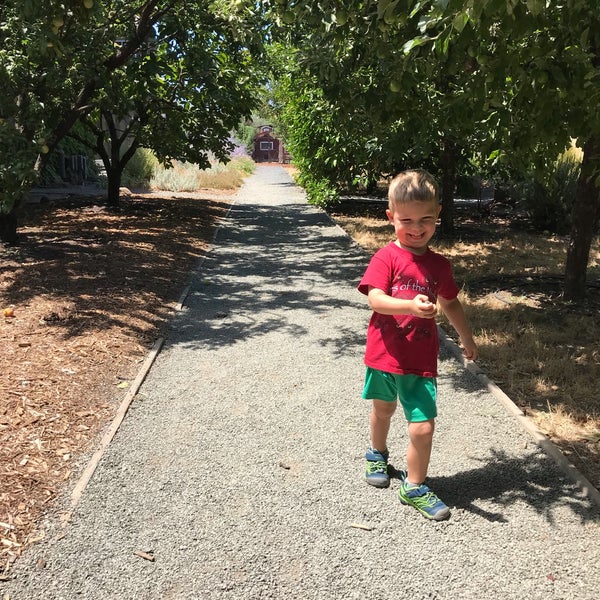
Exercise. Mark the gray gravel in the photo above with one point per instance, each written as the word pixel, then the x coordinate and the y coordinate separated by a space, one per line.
pixel 239 465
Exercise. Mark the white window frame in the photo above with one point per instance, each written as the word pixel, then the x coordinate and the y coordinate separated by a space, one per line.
pixel 266 145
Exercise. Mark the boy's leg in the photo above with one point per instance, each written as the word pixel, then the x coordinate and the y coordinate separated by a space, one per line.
pixel 377 456
pixel 413 491
pixel 379 422
pixel 419 450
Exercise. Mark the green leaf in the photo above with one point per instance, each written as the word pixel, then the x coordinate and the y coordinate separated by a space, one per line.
pixel 535 7
pixel 493 155
pixel 382 6
pixel 460 20
pixel 415 11
pixel 418 41
pixel 584 39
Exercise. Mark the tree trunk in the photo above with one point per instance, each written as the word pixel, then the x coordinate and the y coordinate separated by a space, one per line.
pixel 448 161
pixel 584 217
pixel 114 184
pixel 8 227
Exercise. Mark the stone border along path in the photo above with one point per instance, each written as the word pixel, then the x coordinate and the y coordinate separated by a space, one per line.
pixel 237 471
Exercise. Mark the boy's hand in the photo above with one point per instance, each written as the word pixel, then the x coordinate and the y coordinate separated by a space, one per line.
pixel 423 307
pixel 470 351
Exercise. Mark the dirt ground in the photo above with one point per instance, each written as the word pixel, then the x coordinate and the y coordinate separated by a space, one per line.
pixel 83 297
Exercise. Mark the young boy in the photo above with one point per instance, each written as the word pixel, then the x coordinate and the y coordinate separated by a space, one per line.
pixel 404 283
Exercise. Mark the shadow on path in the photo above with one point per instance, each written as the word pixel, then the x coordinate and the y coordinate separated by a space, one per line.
pixel 507 480
pixel 269 263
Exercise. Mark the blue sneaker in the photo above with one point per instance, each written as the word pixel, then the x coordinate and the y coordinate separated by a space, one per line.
pixel 377 468
pixel 424 500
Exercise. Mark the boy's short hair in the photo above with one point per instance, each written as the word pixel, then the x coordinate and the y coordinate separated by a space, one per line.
pixel 413 185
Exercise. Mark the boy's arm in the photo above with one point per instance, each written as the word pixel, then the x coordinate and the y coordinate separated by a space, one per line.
pixel 419 306
pixel 456 315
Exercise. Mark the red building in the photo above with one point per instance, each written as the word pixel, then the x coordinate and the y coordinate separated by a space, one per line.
pixel 268 148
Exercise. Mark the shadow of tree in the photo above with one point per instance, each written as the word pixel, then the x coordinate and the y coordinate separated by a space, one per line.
pixel 118 268
pixel 91 290
pixel 506 480
pixel 269 264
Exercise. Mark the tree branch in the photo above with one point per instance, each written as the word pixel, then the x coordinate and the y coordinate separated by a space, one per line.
pixel 149 16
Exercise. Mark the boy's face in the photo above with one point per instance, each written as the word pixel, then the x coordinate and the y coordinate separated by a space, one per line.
pixel 414 223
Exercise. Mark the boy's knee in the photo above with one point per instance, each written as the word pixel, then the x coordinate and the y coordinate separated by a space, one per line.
pixel 422 429
pixel 384 410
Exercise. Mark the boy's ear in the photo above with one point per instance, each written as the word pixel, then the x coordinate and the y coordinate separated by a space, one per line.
pixel 390 215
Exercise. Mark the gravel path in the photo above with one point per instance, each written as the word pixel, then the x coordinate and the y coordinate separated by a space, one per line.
pixel 239 465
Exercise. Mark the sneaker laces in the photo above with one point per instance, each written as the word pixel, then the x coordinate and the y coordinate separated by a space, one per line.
pixel 427 498
pixel 376 466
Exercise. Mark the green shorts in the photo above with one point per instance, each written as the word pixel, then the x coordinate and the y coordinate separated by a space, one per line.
pixel 417 394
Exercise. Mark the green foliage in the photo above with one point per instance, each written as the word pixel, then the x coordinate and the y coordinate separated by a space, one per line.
pixel 311 137
pixel 243 164
pixel 183 70
pixel 320 192
pixel 504 79
pixel 181 98
pixel 507 81
pixel 360 108
pixel 332 149
pixel 140 169
pixel 549 199
pixel 245 134
pixel 47 50
pixel 16 174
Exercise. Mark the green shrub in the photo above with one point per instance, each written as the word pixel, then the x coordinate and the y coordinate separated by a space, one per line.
pixel 550 200
pixel 139 170
pixel 244 164
pixel 181 177
pixel 319 192
pixel 246 134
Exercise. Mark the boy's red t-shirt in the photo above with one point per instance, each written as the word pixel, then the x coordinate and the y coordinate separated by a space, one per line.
pixel 404 344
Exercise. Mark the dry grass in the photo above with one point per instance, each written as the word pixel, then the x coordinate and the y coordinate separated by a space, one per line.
pixel 543 352
pixel 186 177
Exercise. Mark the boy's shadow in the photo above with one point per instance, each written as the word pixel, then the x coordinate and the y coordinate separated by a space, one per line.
pixel 505 480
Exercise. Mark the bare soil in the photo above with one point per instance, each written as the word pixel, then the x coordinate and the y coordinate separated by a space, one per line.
pixel 83 297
